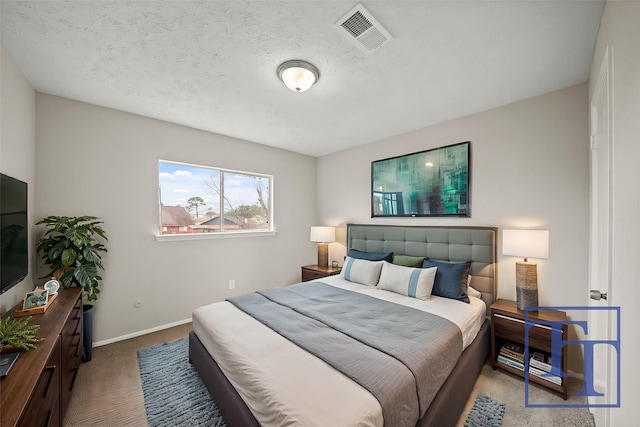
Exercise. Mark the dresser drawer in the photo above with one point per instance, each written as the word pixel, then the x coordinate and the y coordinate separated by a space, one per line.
pixel 44 406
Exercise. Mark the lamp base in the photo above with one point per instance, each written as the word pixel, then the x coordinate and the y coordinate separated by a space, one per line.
pixel 323 254
pixel 526 298
pixel 526 285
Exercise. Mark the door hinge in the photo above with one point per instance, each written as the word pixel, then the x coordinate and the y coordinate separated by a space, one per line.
pixel 594 144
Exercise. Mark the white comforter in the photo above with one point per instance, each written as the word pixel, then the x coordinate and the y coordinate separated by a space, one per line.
pixel 283 385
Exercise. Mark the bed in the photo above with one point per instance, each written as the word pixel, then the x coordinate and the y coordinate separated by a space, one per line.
pixel 290 386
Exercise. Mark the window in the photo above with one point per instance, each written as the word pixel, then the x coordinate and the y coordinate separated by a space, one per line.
pixel 199 199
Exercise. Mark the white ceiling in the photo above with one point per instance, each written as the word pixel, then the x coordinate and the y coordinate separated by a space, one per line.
pixel 212 65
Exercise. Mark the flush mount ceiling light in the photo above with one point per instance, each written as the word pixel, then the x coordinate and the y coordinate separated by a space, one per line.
pixel 298 75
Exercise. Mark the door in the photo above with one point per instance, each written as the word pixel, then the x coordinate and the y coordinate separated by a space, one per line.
pixel 600 253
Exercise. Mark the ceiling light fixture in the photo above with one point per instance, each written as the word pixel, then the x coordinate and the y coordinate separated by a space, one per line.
pixel 298 75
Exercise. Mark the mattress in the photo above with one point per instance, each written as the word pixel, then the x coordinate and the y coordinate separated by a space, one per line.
pixel 283 385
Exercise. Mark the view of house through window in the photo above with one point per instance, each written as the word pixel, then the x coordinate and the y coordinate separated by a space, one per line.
pixel 200 199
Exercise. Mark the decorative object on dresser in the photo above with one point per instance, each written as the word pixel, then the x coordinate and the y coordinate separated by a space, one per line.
pixel 72 247
pixel 526 244
pixel 508 351
pixel 38 388
pixel 433 182
pixel 17 334
pixel 310 272
pixel 324 236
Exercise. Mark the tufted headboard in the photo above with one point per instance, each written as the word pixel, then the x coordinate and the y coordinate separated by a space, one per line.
pixel 452 244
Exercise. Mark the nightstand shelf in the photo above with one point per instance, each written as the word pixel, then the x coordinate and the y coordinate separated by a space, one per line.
pixel 310 272
pixel 507 325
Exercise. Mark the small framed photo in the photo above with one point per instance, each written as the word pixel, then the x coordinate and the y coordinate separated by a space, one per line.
pixel 35 299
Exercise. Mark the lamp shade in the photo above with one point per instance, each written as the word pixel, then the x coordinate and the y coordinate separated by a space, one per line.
pixel 526 243
pixel 323 234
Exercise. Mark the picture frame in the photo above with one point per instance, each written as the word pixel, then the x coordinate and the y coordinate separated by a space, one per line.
pixel 428 183
pixel 35 299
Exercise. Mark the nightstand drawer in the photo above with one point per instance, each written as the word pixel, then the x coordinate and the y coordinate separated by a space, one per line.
pixel 513 329
pixel 310 275
pixel 310 272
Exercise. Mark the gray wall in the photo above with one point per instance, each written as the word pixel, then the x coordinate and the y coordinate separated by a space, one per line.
pixel 17 148
pixel 97 161
pixel 619 28
pixel 529 167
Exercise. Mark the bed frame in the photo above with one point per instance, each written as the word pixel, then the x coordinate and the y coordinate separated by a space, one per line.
pixel 454 244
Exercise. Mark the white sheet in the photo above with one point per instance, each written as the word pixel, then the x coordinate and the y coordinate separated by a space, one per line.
pixel 283 385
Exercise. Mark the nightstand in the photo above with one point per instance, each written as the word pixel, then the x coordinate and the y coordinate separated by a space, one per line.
pixel 508 326
pixel 310 272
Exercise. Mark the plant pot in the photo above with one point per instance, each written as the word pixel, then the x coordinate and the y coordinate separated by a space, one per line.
pixel 87 332
pixel 8 348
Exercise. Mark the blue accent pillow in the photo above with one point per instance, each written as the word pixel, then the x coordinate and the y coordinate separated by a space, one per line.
pixel 370 256
pixel 451 279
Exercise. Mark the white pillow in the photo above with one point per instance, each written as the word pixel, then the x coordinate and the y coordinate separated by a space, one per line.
pixel 473 292
pixel 361 271
pixel 412 282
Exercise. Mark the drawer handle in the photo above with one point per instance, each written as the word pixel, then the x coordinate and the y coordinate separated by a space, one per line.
pixel 49 415
pixel 536 325
pixel 52 369
pixel 73 381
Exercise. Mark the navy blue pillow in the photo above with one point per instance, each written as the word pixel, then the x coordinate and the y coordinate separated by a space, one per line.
pixel 451 279
pixel 370 256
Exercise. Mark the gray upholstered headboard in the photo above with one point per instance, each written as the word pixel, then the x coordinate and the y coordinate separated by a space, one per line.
pixel 453 244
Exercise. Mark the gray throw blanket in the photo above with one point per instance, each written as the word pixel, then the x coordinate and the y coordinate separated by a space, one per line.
pixel 399 354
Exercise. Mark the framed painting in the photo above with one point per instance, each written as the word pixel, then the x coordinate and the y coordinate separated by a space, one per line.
pixel 430 183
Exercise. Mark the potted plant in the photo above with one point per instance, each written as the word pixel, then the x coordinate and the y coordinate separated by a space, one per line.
pixel 72 248
pixel 17 335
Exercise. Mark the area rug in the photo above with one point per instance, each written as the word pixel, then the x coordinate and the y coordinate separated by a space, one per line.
pixel 485 412
pixel 174 394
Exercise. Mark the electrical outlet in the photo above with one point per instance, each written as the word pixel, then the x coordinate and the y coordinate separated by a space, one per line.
pixel 232 284
pixel 138 303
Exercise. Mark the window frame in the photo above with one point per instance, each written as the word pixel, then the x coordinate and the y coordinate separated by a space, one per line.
pixel 270 231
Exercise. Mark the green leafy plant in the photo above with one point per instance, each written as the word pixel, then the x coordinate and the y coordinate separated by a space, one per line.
pixel 18 333
pixel 72 247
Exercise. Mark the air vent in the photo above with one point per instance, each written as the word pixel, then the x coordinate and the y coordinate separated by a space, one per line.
pixel 362 29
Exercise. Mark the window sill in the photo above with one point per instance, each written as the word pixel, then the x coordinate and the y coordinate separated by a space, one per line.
pixel 213 236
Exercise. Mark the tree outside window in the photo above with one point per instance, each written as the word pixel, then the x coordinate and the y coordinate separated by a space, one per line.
pixel 200 199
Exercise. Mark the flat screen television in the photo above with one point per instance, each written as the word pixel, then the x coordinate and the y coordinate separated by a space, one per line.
pixel 432 182
pixel 14 232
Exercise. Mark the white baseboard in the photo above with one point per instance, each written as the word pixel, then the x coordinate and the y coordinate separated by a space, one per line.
pixel 139 333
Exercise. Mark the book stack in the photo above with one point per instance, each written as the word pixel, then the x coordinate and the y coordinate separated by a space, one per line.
pixel 512 354
pixel 540 366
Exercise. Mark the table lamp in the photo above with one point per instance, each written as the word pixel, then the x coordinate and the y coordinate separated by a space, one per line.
pixel 526 244
pixel 324 236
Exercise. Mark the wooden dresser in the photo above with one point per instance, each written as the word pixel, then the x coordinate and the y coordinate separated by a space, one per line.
pixel 37 390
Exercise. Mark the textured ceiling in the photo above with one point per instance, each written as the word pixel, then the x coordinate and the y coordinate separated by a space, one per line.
pixel 212 65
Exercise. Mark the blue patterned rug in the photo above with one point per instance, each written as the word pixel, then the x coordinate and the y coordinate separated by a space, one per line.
pixel 174 394
pixel 485 412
